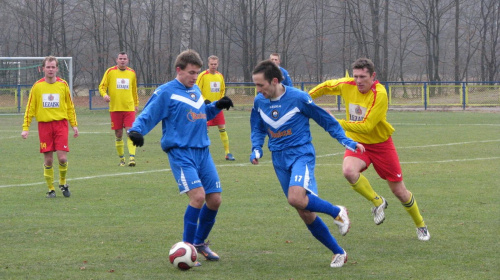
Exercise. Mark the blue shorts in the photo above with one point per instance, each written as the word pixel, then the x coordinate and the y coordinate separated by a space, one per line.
pixel 295 167
pixel 194 168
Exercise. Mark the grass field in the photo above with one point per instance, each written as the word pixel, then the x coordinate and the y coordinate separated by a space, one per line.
pixel 120 222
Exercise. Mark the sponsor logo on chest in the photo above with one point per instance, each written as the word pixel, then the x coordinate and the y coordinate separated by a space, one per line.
pixel 122 83
pixel 215 87
pixel 50 100
pixel 356 112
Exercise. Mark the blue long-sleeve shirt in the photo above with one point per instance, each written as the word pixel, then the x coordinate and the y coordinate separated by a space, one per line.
pixel 183 114
pixel 287 81
pixel 286 121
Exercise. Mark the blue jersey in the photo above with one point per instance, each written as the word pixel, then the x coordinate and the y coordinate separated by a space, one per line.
pixel 183 114
pixel 286 121
pixel 287 81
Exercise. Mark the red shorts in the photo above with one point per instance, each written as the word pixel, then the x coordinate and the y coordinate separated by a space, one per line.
pixel 384 158
pixel 53 136
pixel 121 119
pixel 218 120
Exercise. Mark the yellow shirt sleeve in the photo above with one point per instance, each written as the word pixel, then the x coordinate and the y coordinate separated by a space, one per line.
pixel 366 114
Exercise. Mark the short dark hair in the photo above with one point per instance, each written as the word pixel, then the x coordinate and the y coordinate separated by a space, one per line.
pixel 50 58
pixel 122 53
pixel 362 63
pixel 188 57
pixel 269 69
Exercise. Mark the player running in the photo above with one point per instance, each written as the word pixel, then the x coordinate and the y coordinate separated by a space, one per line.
pixel 282 113
pixel 366 110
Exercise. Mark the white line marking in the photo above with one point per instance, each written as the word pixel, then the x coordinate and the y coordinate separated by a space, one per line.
pixel 450 144
pixel 269 162
pixel 447 124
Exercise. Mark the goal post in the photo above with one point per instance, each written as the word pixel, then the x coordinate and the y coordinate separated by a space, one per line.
pixel 18 74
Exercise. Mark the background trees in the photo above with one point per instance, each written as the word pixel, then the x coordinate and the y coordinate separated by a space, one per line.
pixel 430 40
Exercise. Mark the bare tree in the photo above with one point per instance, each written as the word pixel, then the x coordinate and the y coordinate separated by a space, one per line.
pixel 408 39
pixel 490 15
pixel 186 24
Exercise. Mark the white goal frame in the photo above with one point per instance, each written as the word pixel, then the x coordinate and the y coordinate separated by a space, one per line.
pixel 67 58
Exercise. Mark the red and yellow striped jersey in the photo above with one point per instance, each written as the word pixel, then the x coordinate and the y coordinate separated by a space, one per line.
pixel 366 114
pixel 49 102
pixel 212 86
pixel 121 86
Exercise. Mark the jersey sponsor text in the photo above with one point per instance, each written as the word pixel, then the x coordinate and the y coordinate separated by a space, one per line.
pixel 192 116
pixel 280 134
pixel 50 100
pixel 122 83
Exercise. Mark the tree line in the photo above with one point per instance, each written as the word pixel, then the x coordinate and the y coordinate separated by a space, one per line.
pixel 408 40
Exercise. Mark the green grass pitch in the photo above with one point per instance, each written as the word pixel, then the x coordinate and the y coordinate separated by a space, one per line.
pixel 120 222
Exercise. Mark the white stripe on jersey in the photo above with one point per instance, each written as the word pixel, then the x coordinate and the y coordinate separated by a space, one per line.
pixel 188 101
pixel 281 121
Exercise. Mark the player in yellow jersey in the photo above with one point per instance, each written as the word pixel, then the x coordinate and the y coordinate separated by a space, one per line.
pixel 366 123
pixel 119 88
pixel 50 103
pixel 213 88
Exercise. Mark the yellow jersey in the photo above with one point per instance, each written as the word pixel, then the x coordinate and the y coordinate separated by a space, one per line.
pixel 212 86
pixel 49 102
pixel 366 113
pixel 121 86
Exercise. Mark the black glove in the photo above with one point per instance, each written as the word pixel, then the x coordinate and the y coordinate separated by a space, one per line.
pixel 136 138
pixel 207 102
pixel 224 103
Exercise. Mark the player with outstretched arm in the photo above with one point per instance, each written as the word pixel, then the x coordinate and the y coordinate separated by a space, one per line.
pixel 366 122
pixel 282 113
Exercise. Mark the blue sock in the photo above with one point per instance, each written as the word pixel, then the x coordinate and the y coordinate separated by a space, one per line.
pixel 319 230
pixel 207 221
pixel 319 205
pixel 190 223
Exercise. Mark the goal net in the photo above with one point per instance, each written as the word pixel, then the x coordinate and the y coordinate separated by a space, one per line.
pixel 17 76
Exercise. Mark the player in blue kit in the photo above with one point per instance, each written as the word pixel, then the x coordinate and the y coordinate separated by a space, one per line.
pixel 287 81
pixel 180 107
pixel 282 113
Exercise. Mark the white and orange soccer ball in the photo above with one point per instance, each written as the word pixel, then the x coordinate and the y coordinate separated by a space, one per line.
pixel 183 255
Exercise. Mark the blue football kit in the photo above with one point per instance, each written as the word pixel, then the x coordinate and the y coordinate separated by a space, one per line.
pixel 285 120
pixel 286 123
pixel 287 81
pixel 184 116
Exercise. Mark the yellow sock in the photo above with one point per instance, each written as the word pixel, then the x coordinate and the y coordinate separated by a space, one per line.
pixel 131 147
pixel 363 187
pixel 63 169
pixel 119 147
pixel 48 173
pixel 225 139
pixel 412 209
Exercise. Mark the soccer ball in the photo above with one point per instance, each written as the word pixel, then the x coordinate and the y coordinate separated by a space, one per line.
pixel 183 255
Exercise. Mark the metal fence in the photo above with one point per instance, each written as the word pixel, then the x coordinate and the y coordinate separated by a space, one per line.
pixel 423 95
pixel 400 94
